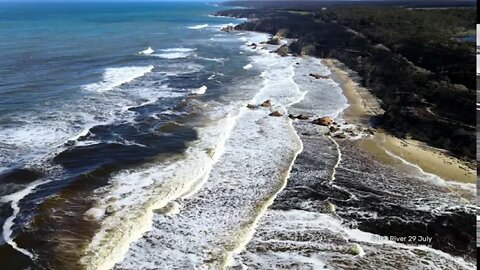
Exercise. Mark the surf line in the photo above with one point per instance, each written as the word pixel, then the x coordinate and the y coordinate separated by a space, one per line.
pixel 443 181
pixel 14 200
pixel 251 227
pixel 339 159
pixel 144 220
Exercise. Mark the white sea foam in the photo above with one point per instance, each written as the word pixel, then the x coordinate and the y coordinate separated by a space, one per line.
pixel 172 55
pixel 147 51
pixel 218 220
pixel 175 53
pixel 279 231
pixel 94 213
pixel 200 91
pixel 248 66
pixel 179 50
pixel 114 77
pixel 331 94
pixel 134 194
pixel 225 219
pixel 329 242
pixel 14 200
pixel 217 59
pixel 199 26
pixel 44 135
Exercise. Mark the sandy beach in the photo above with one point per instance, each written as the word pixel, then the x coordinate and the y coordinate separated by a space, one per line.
pixel 390 149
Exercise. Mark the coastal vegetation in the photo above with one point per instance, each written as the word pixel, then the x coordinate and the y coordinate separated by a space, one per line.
pixel 410 59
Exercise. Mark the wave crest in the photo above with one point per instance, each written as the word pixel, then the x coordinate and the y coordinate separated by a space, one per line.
pixel 114 77
pixel 199 26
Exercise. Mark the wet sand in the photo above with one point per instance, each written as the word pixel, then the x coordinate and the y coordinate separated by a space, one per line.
pixel 387 148
pixel 343 200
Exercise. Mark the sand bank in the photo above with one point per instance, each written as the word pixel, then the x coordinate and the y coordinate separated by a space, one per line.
pixel 363 105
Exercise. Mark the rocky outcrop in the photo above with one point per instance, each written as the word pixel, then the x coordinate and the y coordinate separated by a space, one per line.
pixel 227 29
pixel 252 106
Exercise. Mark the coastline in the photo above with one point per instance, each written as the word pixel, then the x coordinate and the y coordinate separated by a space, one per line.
pixel 342 200
pixel 388 148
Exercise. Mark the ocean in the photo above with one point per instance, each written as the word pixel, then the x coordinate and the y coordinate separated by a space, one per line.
pixel 92 90
pixel 126 143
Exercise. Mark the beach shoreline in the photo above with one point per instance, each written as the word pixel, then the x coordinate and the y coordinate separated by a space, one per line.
pixel 339 188
pixel 388 148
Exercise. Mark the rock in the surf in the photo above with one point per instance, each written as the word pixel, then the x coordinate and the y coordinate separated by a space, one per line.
pixel 330 207
pixel 252 106
pixel 340 136
pixel 323 121
pixel 317 76
pixel 369 131
pixel 172 208
pixel 266 103
pixel 283 50
pixel 276 114
pixel 299 117
pixel 110 210
pixel 334 128
pixel 227 29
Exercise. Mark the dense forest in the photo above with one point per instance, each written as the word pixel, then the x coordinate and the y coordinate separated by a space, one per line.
pixel 412 59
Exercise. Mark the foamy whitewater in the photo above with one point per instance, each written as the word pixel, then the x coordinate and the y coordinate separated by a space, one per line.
pixel 127 148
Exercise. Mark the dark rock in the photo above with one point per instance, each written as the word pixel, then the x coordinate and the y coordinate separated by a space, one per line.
pixel 227 29
pixel 318 76
pixel 299 117
pixel 70 143
pixel 340 136
pixel 266 103
pixel 251 106
pixel 369 131
pixel 334 129
pixel 282 51
pixel 276 114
